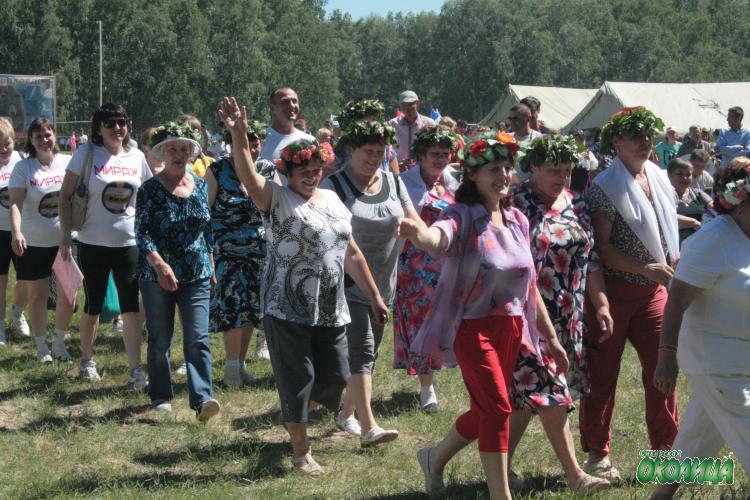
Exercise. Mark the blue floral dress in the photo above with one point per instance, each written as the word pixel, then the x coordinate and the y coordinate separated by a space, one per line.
pixel 562 244
pixel 239 249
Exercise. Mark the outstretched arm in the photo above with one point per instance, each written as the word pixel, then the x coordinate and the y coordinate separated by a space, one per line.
pixel 235 119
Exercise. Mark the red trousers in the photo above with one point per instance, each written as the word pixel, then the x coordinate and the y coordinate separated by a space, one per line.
pixel 486 350
pixel 637 311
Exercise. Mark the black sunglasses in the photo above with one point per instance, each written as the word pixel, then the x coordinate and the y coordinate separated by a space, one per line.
pixel 111 122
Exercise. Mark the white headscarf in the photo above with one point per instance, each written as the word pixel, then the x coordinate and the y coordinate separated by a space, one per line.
pixel 638 213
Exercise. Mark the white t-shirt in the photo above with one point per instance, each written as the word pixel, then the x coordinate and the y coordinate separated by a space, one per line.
pixel 304 274
pixel 715 333
pixel 113 184
pixel 40 223
pixel 5 171
pixel 275 142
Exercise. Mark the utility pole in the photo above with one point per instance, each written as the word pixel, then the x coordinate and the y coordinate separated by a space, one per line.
pixel 101 100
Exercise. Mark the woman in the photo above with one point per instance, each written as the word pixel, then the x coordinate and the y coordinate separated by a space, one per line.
pixel 175 267
pixel 8 159
pixel 711 282
pixel 107 237
pixel 362 110
pixel 692 203
pixel 376 200
pixel 155 164
pixel 562 245
pixel 239 255
pixel 486 305
pixel 309 249
pixel 430 185
pixel 635 226
pixel 35 232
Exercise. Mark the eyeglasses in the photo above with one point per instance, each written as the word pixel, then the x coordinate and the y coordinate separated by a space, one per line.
pixel 111 122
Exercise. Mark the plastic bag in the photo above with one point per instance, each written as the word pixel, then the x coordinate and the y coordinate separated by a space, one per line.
pixel 111 308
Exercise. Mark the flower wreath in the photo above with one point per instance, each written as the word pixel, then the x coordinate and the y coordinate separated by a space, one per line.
pixel 554 149
pixel 432 136
pixel 487 148
pixel 255 130
pixel 301 152
pixel 173 129
pixel 360 133
pixel 735 192
pixel 357 110
pixel 629 122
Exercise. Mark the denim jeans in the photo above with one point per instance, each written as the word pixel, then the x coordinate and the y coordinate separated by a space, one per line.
pixel 159 304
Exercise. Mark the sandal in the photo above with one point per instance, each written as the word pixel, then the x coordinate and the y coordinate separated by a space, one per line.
pixel 308 465
pixel 603 469
pixel 586 484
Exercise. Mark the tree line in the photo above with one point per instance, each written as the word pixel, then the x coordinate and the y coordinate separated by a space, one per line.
pixel 166 57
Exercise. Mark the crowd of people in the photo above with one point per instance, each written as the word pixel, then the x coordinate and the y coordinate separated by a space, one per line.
pixel 525 257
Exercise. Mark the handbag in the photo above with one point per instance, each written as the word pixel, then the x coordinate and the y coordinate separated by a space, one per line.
pixel 80 199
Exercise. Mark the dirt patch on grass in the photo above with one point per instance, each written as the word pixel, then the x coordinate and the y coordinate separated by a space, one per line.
pixel 11 418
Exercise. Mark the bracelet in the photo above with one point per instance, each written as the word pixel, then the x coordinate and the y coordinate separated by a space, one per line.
pixel 668 348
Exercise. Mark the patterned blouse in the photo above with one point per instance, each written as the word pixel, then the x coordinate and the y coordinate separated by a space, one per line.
pixel 179 229
pixel 623 238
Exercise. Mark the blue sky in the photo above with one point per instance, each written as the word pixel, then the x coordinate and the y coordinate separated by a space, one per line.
pixel 358 8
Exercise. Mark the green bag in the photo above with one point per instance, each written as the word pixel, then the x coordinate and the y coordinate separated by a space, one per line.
pixel 111 307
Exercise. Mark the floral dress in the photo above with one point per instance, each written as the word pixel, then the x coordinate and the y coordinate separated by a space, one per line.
pixel 562 244
pixel 239 249
pixel 418 274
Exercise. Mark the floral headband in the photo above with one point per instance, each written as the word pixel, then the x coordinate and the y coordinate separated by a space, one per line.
pixel 433 136
pixel 301 152
pixel 629 122
pixel 357 110
pixel 487 148
pixel 359 133
pixel 554 149
pixel 255 130
pixel 173 129
pixel 735 192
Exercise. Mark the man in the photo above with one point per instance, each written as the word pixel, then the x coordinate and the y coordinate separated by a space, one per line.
pixel 580 177
pixel 701 179
pixel 668 148
pixel 519 118
pixel 735 140
pixel 408 126
pixel 82 137
pixel 535 106
pixel 284 106
pixel 694 141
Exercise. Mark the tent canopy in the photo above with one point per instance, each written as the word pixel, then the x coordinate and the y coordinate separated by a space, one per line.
pixel 679 105
pixel 559 105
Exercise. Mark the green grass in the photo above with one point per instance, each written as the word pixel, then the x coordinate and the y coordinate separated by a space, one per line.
pixel 64 438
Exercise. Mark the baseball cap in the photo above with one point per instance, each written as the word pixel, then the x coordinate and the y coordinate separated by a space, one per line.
pixel 407 96
pixel 670 129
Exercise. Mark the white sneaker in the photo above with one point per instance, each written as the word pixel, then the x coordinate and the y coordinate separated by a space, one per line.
pixel 350 425
pixel 60 352
pixel 87 371
pixel 261 348
pixel 137 381
pixel 181 370
pixel 162 406
pixel 377 435
pixel 117 325
pixel 208 410
pixel 428 399
pixel 19 322
pixel 44 358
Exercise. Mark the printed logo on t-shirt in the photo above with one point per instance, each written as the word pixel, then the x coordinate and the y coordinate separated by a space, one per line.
pixel 5 197
pixel 116 196
pixel 117 170
pixel 48 206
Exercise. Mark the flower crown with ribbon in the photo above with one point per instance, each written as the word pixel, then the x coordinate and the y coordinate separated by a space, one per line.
pixel 735 192
pixel 487 148
pixel 629 122
pixel 255 130
pixel 436 135
pixel 300 153
pixel 354 111
pixel 359 133
pixel 174 129
pixel 554 149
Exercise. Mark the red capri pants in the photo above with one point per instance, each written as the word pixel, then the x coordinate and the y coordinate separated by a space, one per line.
pixel 487 350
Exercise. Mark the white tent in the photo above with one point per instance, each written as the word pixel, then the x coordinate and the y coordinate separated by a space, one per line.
pixel 559 105
pixel 679 105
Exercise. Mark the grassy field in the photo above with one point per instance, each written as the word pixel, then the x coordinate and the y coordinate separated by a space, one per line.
pixel 64 438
